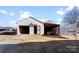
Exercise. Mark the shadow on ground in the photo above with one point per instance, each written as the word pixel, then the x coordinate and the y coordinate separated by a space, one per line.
pixel 62 46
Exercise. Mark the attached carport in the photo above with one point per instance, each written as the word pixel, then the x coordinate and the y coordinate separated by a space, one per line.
pixel 51 29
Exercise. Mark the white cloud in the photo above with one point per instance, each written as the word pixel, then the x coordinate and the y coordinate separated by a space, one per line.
pixel 69 8
pixel 12 23
pixel 25 14
pixel 41 19
pixel 21 11
pixel 59 20
pixel 6 12
pixel 3 11
pixel 11 13
pixel 60 12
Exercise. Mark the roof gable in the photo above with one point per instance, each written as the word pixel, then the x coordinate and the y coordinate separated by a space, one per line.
pixel 31 18
pixel 36 19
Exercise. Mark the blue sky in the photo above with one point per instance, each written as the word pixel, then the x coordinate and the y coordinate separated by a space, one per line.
pixel 9 15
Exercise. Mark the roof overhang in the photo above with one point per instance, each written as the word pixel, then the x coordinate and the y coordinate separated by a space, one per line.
pixel 51 25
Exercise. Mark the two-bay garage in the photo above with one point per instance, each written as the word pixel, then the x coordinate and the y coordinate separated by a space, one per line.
pixel 26 29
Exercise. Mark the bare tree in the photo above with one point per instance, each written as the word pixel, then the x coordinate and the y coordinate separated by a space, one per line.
pixel 72 17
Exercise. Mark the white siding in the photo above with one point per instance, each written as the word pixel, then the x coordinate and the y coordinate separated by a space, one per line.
pixel 68 29
pixel 28 21
pixel 31 30
pixel 18 31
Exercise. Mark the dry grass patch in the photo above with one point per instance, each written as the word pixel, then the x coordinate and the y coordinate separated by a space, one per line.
pixel 39 38
pixel 34 38
pixel 5 37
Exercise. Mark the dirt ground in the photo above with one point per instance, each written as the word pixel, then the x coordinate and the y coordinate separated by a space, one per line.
pixel 39 44
pixel 36 38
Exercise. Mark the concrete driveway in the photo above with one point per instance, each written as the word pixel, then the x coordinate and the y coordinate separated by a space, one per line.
pixel 9 46
pixel 10 42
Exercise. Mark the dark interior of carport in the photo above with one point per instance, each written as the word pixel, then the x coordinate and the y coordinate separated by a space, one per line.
pixel 51 29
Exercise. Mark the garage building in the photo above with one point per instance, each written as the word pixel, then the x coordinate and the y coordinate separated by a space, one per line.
pixel 31 25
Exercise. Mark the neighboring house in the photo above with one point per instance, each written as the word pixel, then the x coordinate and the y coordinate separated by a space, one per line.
pixel 7 30
pixel 31 25
pixel 69 29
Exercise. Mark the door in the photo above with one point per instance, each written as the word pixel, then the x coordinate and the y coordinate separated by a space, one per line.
pixel 35 29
